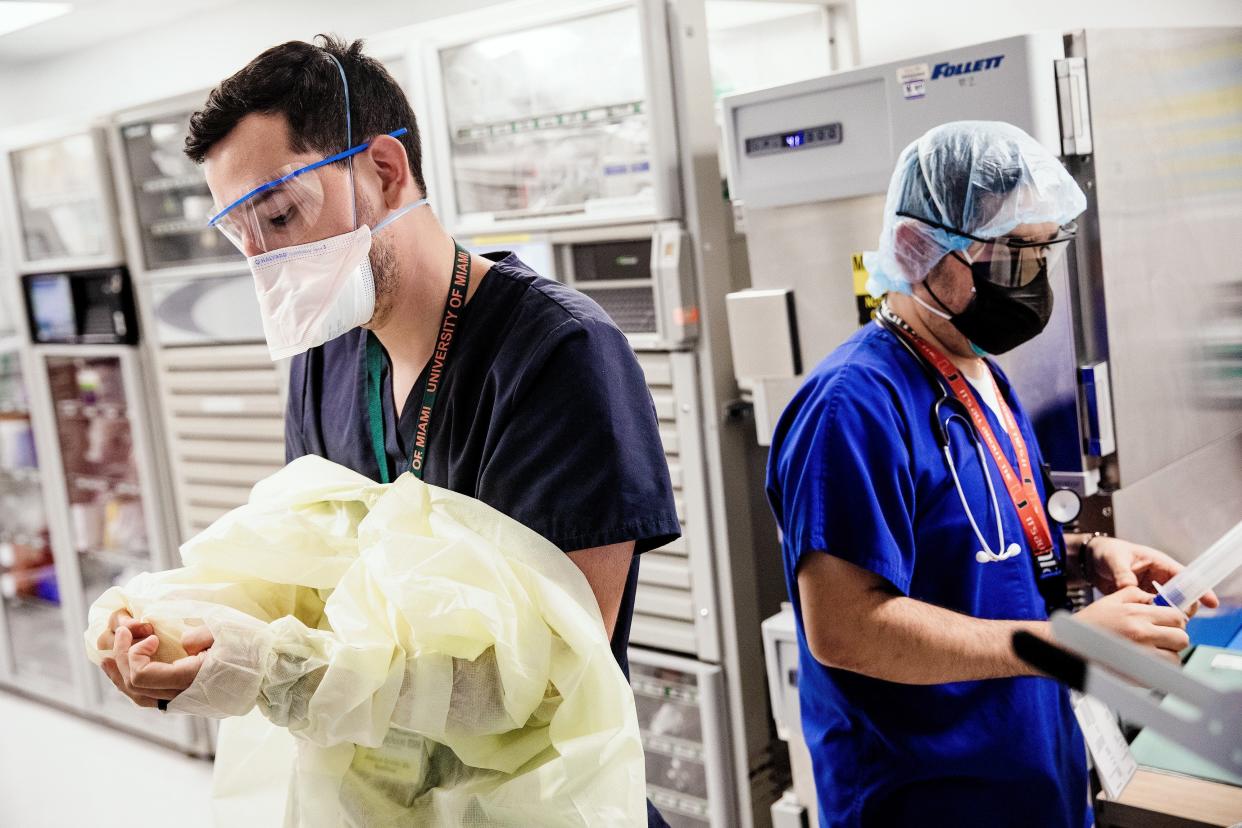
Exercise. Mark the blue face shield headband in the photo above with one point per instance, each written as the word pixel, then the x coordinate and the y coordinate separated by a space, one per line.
pixel 287 209
pixel 283 211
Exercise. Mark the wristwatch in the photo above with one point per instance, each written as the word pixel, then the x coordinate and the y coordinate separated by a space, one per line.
pixel 1086 560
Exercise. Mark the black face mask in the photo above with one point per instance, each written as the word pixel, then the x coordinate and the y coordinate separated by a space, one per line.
pixel 1000 319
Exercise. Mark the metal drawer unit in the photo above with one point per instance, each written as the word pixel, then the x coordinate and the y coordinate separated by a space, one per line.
pixel 675 605
pixel 680 705
pixel 225 416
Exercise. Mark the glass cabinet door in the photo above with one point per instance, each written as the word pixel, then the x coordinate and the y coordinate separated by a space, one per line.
pixel 98 420
pixel 530 136
pixel 108 527
pixel 171 197
pixel 30 594
pixel 62 205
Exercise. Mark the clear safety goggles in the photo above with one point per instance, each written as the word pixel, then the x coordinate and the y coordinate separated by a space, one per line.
pixel 285 210
pixel 1010 261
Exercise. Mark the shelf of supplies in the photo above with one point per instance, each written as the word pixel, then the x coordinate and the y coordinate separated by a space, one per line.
pixel 681 803
pixel 672 746
pixel 9 585
pixel 46 201
pixel 31 603
pixel 22 539
pixel 21 474
pixel 166 183
pixel 177 227
pixel 130 557
pixel 655 689
pixel 554 120
pixel 104 485
pixel 77 408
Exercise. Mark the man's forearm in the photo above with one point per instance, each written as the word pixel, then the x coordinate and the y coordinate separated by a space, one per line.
pixel 606 569
pixel 904 640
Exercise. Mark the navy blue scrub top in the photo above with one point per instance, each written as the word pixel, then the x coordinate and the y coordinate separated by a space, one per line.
pixel 543 414
pixel 855 471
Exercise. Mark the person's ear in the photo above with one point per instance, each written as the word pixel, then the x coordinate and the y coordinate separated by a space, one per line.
pixel 913 246
pixel 392 167
pixel 906 235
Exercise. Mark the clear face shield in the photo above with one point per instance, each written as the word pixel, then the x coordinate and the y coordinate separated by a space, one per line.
pixel 288 208
pixel 1009 261
pixel 309 255
pixel 1013 262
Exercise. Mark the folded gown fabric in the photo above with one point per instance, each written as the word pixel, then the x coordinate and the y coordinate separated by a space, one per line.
pixel 436 662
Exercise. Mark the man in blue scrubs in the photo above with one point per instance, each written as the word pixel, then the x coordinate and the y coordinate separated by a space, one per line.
pixel 907 591
pixel 410 353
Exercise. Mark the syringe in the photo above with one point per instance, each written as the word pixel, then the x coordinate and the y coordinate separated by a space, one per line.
pixel 1204 572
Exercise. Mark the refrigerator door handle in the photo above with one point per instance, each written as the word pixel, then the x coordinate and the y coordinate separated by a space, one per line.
pixel 1074 106
pixel 1100 441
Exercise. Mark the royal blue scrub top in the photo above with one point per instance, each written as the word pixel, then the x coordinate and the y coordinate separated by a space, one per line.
pixel 855 471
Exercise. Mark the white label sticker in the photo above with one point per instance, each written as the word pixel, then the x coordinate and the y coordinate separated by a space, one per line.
pixel 223 405
pixel 1113 761
pixel 913 80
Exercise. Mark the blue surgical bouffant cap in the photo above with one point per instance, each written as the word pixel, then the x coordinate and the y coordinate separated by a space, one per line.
pixel 980 177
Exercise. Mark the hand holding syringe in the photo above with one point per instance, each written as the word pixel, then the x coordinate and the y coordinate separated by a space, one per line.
pixel 1220 561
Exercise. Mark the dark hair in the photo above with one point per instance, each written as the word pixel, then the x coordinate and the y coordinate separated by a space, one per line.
pixel 300 81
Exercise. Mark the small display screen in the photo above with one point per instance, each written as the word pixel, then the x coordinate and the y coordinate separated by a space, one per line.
pixel 51 308
pixel 612 261
pixel 817 136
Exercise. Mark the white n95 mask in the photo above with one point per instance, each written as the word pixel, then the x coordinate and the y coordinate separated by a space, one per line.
pixel 312 293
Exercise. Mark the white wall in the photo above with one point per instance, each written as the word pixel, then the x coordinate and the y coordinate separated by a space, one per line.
pixel 197 51
pixel 890 30
pixel 194 53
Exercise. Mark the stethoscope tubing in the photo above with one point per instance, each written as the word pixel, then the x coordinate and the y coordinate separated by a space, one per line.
pixel 941 425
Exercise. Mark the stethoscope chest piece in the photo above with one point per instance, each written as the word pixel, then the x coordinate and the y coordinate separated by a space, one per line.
pixel 1064 506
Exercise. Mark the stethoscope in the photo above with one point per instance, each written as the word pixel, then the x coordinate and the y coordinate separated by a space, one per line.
pixel 940 427
pixel 1063 505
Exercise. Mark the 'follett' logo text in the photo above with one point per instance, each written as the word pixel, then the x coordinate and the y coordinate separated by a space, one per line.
pixel 949 70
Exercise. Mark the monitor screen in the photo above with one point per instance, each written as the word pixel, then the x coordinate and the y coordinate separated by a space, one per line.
pixel 51 308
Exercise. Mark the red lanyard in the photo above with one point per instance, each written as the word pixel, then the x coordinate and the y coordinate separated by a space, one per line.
pixel 1022 490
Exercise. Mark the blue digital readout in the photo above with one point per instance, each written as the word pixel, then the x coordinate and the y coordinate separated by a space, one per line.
pixel 823 135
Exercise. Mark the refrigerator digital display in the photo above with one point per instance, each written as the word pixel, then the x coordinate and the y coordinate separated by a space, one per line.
pixel 817 136
pixel 51 308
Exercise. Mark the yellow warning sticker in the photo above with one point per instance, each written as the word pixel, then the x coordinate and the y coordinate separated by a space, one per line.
pixel 867 304
pixel 860 275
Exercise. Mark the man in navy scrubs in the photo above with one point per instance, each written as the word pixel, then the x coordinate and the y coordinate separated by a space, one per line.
pixel 409 353
pixel 909 573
